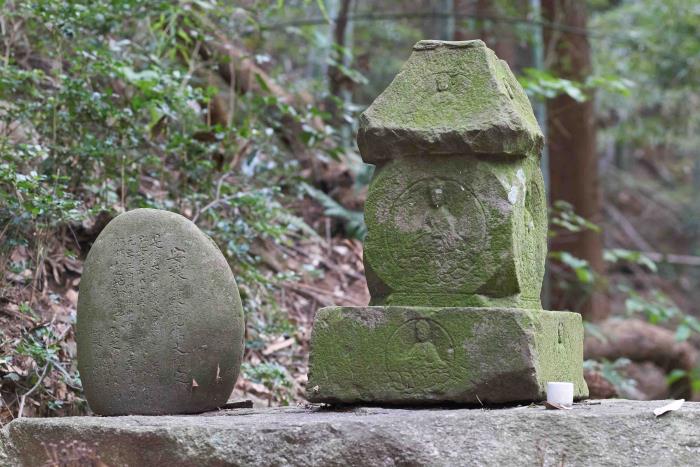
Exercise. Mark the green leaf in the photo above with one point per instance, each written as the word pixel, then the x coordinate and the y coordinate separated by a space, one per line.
pixel 616 254
pixel 354 220
pixel 613 84
pixel 582 269
pixel 594 330
pixel 562 215
pixel 544 85
pixel 584 275
pixel 675 375
pixel 693 323
pixel 322 6
pixel 182 34
pixel 682 332
pixel 262 83
pixel 204 5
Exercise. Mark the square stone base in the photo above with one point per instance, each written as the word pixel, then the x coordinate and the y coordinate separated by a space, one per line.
pixel 420 355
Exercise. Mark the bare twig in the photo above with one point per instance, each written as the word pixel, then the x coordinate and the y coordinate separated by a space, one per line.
pixel 685 260
pixel 319 293
pixel 214 203
pixel 217 196
pixel 191 66
pixel 627 227
pixel 2 400
pixel 425 15
pixel 31 391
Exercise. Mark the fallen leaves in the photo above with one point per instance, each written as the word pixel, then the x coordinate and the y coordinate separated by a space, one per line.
pixel 675 405
pixel 278 345
pixel 555 406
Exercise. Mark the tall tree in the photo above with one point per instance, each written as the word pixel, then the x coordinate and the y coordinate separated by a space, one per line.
pixel 573 160
pixel 337 80
pixel 496 34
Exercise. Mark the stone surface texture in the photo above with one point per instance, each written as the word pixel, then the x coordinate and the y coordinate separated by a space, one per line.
pixel 456 231
pixel 160 324
pixel 412 355
pixel 450 98
pixel 455 249
pixel 615 433
pixel 456 212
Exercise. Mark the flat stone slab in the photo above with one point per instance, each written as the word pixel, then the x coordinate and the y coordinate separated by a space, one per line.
pixel 610 432
pixel 423 355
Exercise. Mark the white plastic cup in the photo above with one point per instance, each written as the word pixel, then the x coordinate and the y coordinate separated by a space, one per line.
pixel 560 393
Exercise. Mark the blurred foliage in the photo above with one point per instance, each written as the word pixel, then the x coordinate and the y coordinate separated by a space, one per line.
pixel 563 216
pixel 353 221
pixel 655 44
pixel 104 107
pixel 612 372
pixel 616 255
pixel 541 84
pixel 274 377
pixel 563 219
pixel 657 308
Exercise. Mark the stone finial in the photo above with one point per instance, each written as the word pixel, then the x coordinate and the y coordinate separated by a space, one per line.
pixel 456 212
pixel 450 98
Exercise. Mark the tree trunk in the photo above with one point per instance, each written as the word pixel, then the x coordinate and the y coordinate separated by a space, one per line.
pixel 337 81
pixel 573 159
pixel 461 31
pixel 445 20
pixel 497 35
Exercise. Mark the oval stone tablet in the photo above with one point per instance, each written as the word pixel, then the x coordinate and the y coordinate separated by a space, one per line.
pixel 160 323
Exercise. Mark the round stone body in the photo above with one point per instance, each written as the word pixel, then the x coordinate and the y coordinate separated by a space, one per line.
pixel 456 230
pixel 160 325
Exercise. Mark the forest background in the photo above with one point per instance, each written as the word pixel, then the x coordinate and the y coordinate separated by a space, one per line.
pixel 241 116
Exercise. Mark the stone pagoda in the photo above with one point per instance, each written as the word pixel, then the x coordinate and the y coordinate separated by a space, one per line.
pixel 455 252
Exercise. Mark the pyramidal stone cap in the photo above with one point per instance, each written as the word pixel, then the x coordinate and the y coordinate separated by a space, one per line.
pixel 450 98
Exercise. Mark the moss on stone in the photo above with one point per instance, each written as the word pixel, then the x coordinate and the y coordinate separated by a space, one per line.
pixel 455 251
pixel 456 214
pixel 421 355
pixel 450 98
pixel 482 244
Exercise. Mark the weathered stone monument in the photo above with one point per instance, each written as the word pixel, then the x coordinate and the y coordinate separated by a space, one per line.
pixel 160 325
pixel 456 245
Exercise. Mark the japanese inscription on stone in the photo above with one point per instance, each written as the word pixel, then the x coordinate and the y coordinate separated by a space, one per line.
pixel 159 323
